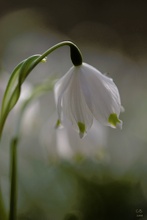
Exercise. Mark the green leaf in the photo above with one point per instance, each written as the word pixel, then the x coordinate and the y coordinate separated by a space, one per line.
pixel 13 89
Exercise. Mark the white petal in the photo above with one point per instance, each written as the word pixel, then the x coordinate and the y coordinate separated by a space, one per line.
pixel 75 106
pixel 101 94
pixel 59 90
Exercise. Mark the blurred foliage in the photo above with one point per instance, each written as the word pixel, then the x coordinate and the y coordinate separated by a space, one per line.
pixel 100 196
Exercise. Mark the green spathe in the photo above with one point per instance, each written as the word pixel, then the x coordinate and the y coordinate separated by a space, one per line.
pixel 82 128
pixel 113 119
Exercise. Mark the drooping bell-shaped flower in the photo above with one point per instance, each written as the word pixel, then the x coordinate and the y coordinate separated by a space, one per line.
pixel 84 93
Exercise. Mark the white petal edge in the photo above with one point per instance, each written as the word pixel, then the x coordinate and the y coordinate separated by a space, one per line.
pixel 59 90
pixel 101 94
pixel 74 104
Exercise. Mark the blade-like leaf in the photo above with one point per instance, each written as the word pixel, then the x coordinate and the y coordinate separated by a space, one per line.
pixel 10 87
pixel 13 89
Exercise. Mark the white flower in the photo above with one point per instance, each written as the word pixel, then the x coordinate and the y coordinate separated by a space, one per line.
pixel 84 93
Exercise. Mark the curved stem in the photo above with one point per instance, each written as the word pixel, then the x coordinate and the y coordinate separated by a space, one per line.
pixel 68 43
pixel 75 53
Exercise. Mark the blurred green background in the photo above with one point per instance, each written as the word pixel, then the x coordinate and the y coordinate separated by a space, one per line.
pixel 61 177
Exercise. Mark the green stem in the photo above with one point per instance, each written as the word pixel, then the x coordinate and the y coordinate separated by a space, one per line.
pixel 75 53
pixel 13 189
pixel 2 208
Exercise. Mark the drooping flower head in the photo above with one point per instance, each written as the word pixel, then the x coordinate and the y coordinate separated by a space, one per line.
pixel 84 93
pixel 81 95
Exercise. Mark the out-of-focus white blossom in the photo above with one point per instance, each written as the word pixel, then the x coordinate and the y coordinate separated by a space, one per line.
pixel 65 143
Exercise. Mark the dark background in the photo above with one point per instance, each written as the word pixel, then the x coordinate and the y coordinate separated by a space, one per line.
pixel 126 18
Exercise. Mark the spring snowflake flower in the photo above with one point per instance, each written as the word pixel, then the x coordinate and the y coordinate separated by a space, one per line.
pixel 84 93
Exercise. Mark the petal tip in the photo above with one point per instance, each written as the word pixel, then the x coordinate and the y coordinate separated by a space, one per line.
pixel 58 124
pixel 82 129
pixel 114 121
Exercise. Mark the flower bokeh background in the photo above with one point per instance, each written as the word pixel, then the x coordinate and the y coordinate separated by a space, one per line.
pixel 104 175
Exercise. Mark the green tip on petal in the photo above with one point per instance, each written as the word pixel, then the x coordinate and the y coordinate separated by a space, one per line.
pixel 58 124
pixel 113 120
pixel 82 129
